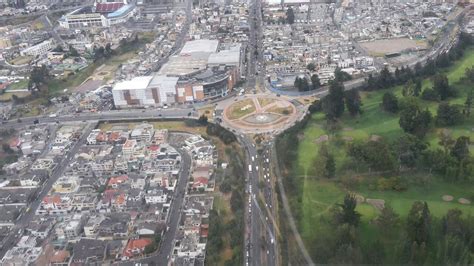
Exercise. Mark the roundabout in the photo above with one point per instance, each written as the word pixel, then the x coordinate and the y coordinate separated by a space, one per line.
pixel 260 113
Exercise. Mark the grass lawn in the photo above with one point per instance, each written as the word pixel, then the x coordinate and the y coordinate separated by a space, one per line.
pixel 265 101
pixel 241 109
pixel 280 110
pixel 8 95
pixel 22 84
pixel 318 196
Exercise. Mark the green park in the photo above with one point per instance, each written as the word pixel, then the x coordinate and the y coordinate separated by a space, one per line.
pixel 360 155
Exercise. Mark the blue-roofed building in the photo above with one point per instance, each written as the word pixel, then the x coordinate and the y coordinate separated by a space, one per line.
pixel 122 14
pixel 97 16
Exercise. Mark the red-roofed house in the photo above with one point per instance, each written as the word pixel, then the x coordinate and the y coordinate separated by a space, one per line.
pixel 135 247
pixel 15 143
pixel 200 182
pixel 115 182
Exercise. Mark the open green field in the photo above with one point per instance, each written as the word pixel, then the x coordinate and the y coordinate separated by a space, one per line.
pixel 319 196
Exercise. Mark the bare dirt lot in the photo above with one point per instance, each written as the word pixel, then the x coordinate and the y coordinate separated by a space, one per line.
pixel 392 45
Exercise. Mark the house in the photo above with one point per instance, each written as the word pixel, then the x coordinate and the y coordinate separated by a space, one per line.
pixel 40 228
pixel 88 251
pixel 155 196
pixel 135 247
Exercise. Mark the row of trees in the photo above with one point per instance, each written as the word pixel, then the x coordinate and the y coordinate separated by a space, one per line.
pixel 337 100
pixel 302 83
pixel 418 243
pixel 230 181
pixel 402 75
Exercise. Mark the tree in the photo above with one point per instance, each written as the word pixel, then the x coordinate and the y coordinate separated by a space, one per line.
pixel 346 212
pixel 353 101
pixel 418 223
pixel 461 148
pixel 333 104
pixel 417 88
pixel 38 77
pixel 73 52
pixel 429 95
pixel 225 186
pixel 445 141
pixel 301 83
pixel 203 120
pixel 330 166
pixel 413 120
pixel 448 115
pixel 385 79
pixel 315 81
pixel 409 88
pixel 469 74
pixel 409 149
pixel 441 87
pixel 6 148
pixel 236 201
pixel 387 220
pixel 376 154
pixel 311 67
pixel 390 102
pixel 325 165
pixel 468 102
pixel 290 16
pixel 341 76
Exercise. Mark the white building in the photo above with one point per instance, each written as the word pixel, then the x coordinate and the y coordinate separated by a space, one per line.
pixel 145 91
pixel 38 49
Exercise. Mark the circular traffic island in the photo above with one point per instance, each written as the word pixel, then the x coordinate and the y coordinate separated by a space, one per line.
pixel 258 114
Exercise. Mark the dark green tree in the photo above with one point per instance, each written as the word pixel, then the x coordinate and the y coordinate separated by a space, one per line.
pixel 315 82
pixel 409 149
pixel 413 120
pixel 468 102
pixel 341 76
pixel 461 148
pixel 346 212
pixel 333 104
pixel 448 115
pixel 418 223
pixel 353 101
pixel 390 102
pixel 388 220
pixel 311 67
pixel 442 88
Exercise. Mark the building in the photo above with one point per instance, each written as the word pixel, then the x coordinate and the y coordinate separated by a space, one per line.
pixel 38 49
pixel 97 16
pixel 199 72
pixel 145 91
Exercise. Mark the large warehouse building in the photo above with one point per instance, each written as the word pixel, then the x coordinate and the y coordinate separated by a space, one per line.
pixel 203 70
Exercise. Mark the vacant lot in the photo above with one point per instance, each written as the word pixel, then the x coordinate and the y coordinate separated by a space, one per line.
pixel 392 45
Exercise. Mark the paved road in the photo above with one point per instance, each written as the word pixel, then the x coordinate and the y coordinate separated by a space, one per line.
pixel 115 115
pixel 26 217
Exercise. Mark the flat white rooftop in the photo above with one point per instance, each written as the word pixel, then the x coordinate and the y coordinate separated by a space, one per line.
pixel 206 46
pixel 137 83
